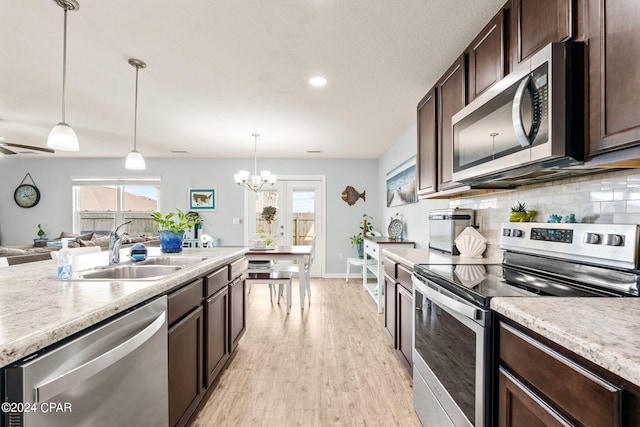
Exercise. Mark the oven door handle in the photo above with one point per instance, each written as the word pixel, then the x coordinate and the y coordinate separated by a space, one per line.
pixel 444 301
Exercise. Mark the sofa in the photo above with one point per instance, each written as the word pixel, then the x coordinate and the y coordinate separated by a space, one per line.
pixel 41 250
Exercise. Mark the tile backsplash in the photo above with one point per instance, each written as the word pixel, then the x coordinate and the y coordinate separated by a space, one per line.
pixel 612 197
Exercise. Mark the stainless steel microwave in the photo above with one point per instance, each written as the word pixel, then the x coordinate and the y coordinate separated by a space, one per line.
pixel 527 127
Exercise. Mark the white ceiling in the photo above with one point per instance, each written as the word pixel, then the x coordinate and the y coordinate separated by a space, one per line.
pixel 219 70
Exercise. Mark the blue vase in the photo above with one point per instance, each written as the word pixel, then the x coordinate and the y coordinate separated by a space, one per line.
pixel 171 242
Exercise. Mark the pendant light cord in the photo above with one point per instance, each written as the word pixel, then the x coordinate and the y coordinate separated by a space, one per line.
pixel 64 64
pixel 135 114
pixel 255 155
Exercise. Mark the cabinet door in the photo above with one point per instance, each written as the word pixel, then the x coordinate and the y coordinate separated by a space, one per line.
pixel 427 142
pixel 185 367
pixel 486 57
pixel 404 327
pixel 390 308
pixel 237 307
pixel 536 23
pixel 217 334
pixel 519 406
pixel 614 74
pixel 451 99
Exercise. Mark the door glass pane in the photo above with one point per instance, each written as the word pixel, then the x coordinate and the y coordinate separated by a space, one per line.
pixel 303 208
pixel 266 218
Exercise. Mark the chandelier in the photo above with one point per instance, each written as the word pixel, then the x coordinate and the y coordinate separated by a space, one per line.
pixel 255 182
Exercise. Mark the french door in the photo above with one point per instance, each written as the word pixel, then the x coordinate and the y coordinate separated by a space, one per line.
pixel 289 213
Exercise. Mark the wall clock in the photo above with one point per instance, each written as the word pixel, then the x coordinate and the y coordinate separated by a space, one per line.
pixel 27 195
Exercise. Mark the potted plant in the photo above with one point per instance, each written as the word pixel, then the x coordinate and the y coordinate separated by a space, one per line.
pixel 41 234
pixel 519 213
pixel 358 240
pixel 171 228
pixel 195 217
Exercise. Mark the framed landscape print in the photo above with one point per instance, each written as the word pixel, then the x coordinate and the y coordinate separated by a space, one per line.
pixel 202 199
pixel 401 184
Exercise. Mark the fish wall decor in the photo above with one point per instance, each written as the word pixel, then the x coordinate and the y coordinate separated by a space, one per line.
pixel 351 195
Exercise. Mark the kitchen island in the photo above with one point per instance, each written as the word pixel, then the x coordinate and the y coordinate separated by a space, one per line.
pixel 37 309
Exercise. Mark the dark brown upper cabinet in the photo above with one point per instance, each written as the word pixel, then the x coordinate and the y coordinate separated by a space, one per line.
pixel 451 89
pixel 427 142
pixel 487 57
pixel 536 23
pixel 614 75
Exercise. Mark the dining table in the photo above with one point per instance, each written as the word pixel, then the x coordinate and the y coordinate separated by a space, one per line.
pixel 299 253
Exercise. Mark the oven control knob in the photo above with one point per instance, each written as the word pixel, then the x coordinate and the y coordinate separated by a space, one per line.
pixel 592 238
pixel 517 233
pixel 506 232
pixel 613 240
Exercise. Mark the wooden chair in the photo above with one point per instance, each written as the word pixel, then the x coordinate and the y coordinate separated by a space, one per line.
pixel 271 278
pixel 293 269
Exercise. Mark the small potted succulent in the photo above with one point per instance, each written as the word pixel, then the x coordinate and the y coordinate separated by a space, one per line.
pixel 519 213
pixel 171 228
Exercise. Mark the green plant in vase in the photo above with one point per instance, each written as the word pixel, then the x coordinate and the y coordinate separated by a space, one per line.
pixel 41 234
pixel 171 228
pixel 357 240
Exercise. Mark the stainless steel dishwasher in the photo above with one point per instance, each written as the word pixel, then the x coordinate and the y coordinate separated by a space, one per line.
pixel 113 375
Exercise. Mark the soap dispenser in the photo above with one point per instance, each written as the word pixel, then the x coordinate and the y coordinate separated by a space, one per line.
pixel 64 260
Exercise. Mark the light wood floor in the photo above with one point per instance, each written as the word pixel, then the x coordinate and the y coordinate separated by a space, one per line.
pixel 330 364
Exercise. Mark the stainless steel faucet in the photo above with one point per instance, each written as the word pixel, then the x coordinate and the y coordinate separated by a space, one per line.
pixel 115 242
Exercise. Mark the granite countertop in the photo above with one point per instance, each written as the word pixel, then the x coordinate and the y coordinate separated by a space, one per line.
pixel 602 330
pixel 409 257
pixel 37 309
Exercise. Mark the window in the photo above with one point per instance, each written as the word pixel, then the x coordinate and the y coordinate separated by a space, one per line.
pixel 100 204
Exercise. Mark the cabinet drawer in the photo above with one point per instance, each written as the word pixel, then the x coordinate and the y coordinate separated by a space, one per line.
pixel 217 280
pixel 371 248
pixel 390 268
pixel 562 381
pixel 238 267
pixel 184 300
pixel 404 278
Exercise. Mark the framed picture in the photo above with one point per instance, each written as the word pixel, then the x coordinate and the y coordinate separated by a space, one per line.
pixel 202 199
pixel 401 183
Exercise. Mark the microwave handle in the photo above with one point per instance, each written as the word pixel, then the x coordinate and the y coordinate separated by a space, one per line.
pixel 516 117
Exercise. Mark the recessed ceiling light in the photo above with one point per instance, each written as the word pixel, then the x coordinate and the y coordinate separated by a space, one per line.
pixel 318 81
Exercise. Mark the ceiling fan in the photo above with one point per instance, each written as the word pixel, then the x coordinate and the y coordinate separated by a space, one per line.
pixel 7 151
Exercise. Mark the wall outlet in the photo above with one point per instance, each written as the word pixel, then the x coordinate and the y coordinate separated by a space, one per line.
pixel 237 221
pixel 340 255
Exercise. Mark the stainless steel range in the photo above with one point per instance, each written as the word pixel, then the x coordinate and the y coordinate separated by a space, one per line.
pixel 454 325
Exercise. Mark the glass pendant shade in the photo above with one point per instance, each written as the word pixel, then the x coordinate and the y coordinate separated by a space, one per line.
pixel 62 137
pixel 135 161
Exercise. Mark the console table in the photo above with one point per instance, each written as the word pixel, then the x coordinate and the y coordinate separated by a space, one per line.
pixel 373 247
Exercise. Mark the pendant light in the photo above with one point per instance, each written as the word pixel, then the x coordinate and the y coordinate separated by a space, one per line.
pixel 134 158
pixel 62 136
pixel 255 182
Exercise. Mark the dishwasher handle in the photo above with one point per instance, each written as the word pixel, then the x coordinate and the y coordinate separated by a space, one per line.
pixel 52 388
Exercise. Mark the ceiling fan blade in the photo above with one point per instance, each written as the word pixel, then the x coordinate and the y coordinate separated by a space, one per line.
pixel 5 151
pixel 29 147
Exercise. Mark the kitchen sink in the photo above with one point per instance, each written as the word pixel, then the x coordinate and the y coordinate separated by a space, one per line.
pixel 171 261
pixel 129 272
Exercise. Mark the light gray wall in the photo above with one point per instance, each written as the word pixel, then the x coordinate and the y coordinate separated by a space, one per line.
pixel 18 226
pixel 414 215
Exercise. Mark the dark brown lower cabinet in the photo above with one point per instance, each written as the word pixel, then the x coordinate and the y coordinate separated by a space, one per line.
pixel 186 386
pixel 237 315
pixel 390 308
pixel 404 319
pixel 539 385
pixel 519 406
pixel 217 340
